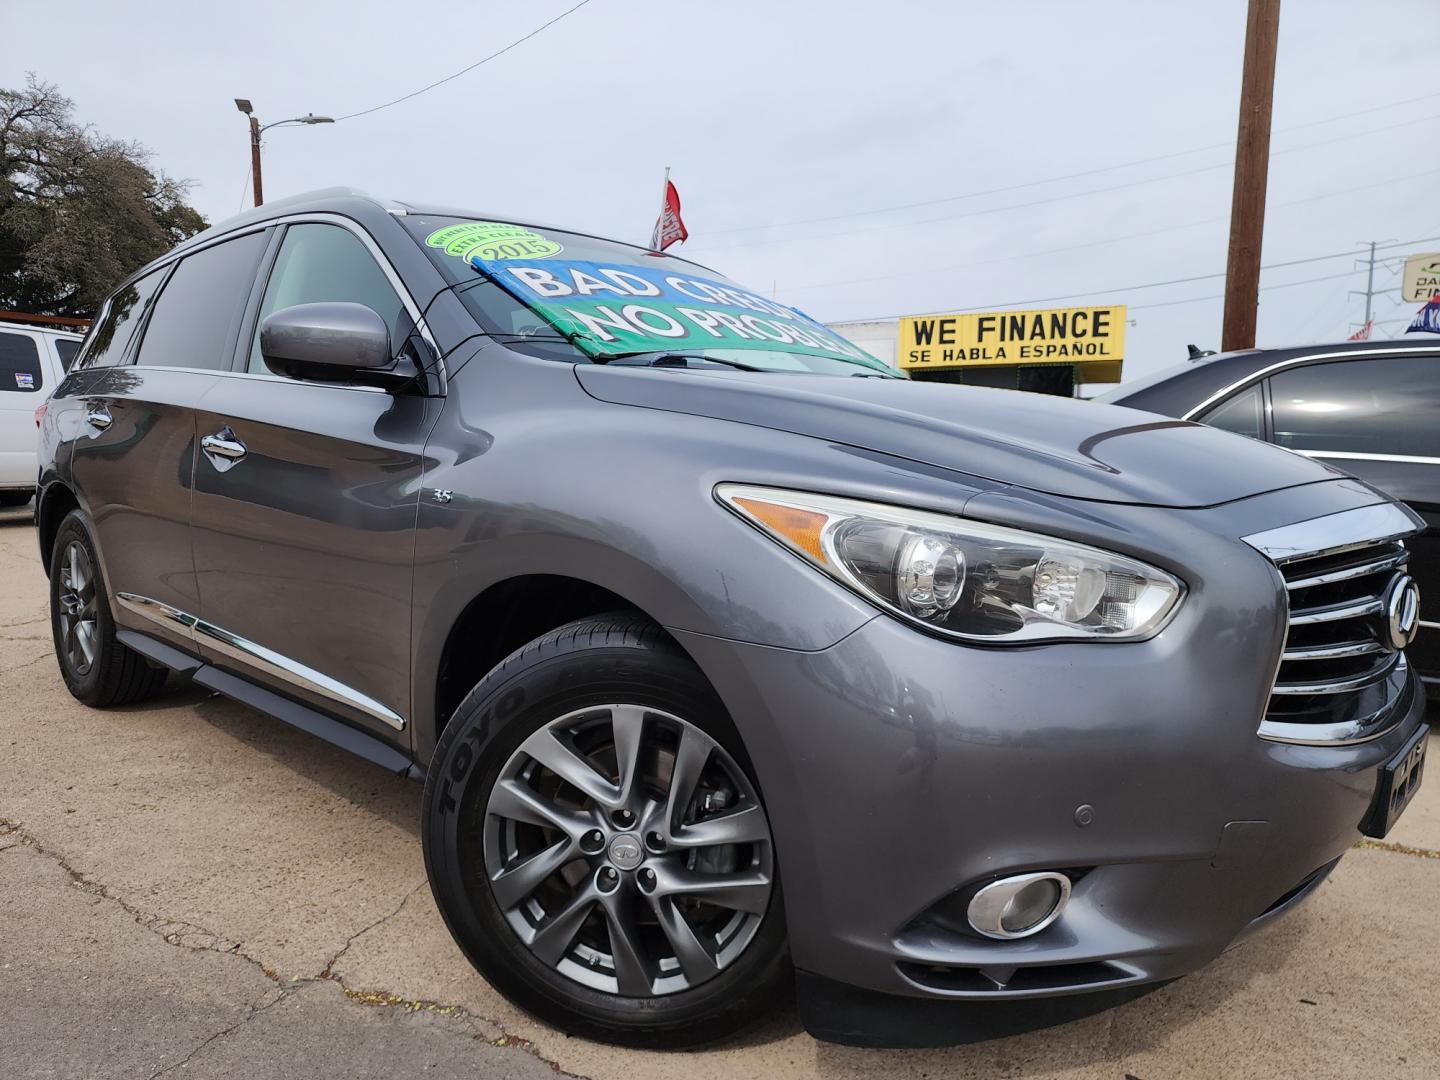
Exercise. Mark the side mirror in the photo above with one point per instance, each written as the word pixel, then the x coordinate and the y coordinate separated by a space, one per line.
pixel 331 342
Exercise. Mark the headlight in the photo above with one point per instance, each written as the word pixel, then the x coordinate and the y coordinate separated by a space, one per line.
pixel 966 579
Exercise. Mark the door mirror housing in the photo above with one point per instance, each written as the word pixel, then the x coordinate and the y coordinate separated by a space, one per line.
pixel 332 342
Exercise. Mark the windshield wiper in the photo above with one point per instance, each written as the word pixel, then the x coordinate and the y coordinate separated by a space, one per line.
pixel 679 360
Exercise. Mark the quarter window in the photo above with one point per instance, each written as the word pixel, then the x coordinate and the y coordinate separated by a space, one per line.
pixel 1382 405
pixel 1243 414
pixel 67 348
pixel 320 263
pixel 196 314
pixel 107 342
pixel 19 364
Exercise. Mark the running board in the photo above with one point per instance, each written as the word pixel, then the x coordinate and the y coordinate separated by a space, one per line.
pixel 309 720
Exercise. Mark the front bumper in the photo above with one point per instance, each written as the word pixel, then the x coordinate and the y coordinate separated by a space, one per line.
pixel 899 769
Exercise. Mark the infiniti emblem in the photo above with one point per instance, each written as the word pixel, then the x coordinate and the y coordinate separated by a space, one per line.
pixel 626 852
pixel 1402 613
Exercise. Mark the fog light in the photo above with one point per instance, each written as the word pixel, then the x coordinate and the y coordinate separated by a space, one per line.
pixel 1018 906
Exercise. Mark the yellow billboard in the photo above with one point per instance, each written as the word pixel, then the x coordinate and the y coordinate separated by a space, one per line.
pixel 1091 337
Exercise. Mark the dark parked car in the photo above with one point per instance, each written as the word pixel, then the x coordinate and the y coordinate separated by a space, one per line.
pixel 1371 408
pixel 719 647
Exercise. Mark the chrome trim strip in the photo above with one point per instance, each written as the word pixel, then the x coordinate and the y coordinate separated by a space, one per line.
pixel 1349 610
pixel 1355 455
pixel 1340 686
pixel 1348 572
pixel 1365 526
pixel 259 657
pixel 1332 652
pixel 1344 733
pixel 1256 376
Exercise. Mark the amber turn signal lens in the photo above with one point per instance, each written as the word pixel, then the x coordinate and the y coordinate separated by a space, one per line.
pixel 801 527
pixel 40 412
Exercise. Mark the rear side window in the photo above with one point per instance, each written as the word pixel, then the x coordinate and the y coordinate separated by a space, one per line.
pixel 1243 414
pixel 320 263
pixel 108 341
pixel 19 364
pixel 195 315
pixel 67 348
pixel 1384 405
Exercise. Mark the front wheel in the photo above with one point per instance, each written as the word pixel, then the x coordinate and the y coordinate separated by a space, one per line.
pixel 598 848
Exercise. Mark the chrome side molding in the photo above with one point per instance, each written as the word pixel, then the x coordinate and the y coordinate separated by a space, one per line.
pixel 1362 527
pixel 277 666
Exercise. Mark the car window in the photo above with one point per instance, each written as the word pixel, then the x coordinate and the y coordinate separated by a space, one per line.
pixel 1243 414
pixel 19 364
pixel 106 344
pixel 1380 405
pixel 321 263
pixel 67 348
pixel 196 313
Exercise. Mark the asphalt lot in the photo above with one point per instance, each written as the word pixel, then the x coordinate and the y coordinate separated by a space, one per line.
pixel 192 889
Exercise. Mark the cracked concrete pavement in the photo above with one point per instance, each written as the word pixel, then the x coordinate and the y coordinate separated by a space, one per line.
pixel 192 889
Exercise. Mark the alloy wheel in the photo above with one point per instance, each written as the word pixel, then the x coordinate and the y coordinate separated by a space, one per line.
pixel 628 851
pixel 79 628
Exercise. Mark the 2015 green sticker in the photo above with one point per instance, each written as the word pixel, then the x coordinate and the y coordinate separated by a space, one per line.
pixel 493 241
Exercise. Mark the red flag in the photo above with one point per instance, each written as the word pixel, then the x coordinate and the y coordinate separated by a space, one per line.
pixel 668 227
pixel 1363 334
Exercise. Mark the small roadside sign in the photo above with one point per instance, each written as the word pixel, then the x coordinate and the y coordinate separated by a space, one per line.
pixel 1422 277
pixel 1087 336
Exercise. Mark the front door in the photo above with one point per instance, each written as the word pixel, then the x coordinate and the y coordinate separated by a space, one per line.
pixel 305 503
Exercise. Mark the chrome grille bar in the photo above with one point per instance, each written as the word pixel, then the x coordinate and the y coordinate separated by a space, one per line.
pixel 1340 686
pixel 1335 612
pixel 1339 651
pixel 1350 572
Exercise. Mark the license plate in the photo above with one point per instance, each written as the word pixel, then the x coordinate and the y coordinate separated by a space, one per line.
pixel 1399 780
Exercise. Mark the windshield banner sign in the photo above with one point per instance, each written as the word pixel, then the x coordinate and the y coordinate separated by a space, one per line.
pixel 611 310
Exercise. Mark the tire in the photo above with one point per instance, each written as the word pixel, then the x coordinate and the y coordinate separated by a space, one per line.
pixel 16 498
pixel 98 669
pixel 591 680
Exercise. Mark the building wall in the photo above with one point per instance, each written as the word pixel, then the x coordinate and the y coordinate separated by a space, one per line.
pixel 880 338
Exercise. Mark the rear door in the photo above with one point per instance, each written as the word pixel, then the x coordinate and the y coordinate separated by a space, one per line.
pixel 1377 417
pixel 24 383
pixel 133 460
pixel 304 512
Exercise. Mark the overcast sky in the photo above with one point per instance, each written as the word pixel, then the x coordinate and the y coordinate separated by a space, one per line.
pixel 775 113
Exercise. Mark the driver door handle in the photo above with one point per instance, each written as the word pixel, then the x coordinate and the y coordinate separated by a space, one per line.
pixel 224 449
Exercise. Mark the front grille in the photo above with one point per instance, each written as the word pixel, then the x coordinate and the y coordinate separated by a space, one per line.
pixel 1339 679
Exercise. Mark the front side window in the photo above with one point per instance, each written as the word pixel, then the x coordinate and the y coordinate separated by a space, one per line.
pixel 107 342
pixel 19 364
pixel 1243 414
pixel 320 263
pixel 1378 405
pixel 196 314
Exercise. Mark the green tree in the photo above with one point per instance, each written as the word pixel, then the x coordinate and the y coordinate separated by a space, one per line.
pixel 78 211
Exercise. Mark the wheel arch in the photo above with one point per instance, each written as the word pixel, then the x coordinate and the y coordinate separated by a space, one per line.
pixel 52 504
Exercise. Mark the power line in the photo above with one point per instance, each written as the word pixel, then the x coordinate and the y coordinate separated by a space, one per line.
pixel 1105 169
pixel 1221 296
pixel 1106 240
pixel 1144 285
pixel 462 71
pixel 1040 202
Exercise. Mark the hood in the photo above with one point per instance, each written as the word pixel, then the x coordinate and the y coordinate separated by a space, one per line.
pixel 1077 449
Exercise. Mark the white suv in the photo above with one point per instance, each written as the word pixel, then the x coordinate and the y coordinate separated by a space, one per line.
pixel 33 360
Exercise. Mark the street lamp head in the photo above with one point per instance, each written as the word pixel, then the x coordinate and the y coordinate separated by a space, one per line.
pixel 311 118
pixel 243 104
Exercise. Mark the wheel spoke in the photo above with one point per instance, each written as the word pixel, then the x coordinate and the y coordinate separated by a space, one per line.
pixel 549 751
pixel 749 891
pixel 628 725
pixel 690 758
pixel 632 970
pixel 553 939
pixel 85 638
pixel 518 882
pixel 512 799
pixel 744 826
pixel 695 960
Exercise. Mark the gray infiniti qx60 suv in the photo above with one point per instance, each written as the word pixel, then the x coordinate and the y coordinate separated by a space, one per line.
pixel 730 660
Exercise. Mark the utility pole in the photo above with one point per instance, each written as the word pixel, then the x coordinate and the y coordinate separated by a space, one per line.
pixel 1252 160
pixel 1370 291
pixel 255 158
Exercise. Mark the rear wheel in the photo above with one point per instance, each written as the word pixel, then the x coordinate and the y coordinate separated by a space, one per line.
pixel 597 846
pixel 97 667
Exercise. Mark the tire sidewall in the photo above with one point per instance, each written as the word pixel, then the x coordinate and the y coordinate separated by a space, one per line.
pixel 497 716
pixel 76 527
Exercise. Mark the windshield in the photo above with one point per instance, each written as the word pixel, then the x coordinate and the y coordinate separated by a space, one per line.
pixel 545 290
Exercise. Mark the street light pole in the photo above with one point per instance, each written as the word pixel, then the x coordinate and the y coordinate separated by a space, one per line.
pixel 243 104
